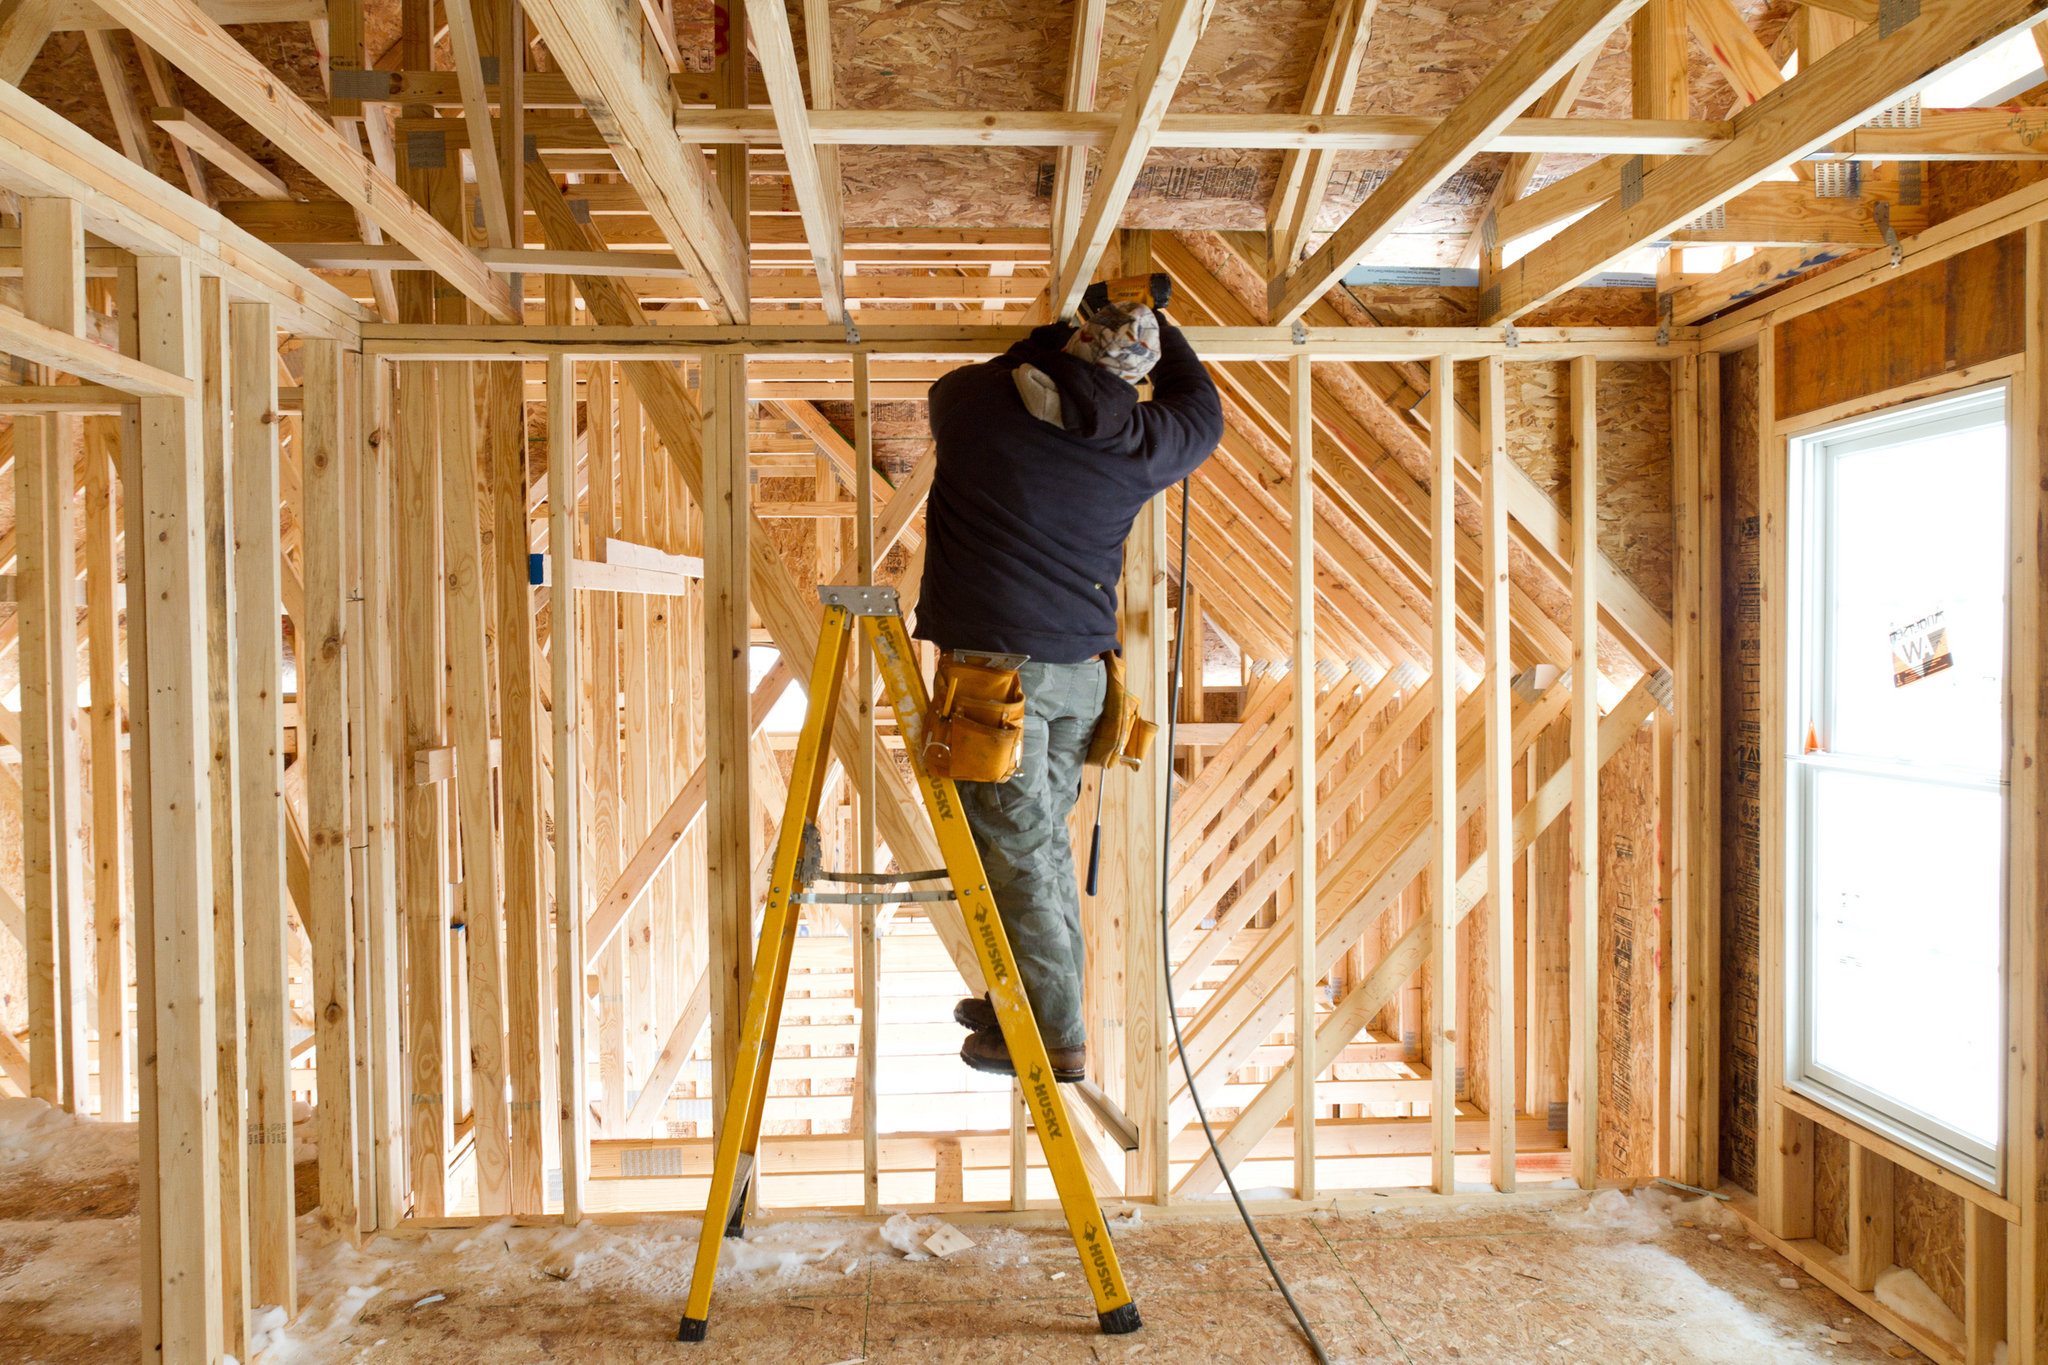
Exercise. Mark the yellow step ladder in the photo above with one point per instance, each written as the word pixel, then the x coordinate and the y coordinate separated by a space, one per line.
pixel 796 867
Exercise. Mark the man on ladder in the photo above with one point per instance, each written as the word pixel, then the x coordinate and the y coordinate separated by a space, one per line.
pixel 1045 457
pixel 997 749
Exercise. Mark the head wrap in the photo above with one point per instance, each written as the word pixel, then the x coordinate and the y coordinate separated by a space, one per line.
pixel 1123 341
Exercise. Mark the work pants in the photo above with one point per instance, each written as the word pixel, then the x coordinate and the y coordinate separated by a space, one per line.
pixel 1020 826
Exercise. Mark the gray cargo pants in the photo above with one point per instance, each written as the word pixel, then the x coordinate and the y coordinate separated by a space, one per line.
pixel 1020 826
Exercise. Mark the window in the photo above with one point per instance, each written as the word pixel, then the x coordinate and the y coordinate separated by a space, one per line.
pixel 1896 793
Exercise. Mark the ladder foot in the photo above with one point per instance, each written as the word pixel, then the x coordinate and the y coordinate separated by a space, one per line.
pixel 693 1329
pixel 1120 1320
pixel 736 1226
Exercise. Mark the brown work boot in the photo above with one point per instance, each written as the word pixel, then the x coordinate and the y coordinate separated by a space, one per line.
pixel 976 1015
pixel 986 1051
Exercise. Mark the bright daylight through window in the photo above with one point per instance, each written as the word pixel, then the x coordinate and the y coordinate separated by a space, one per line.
pixel 1897 802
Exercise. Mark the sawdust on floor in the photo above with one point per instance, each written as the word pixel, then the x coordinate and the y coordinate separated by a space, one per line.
pixel 1642 1280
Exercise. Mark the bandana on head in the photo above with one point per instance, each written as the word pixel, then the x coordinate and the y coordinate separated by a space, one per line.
pixel 1124 341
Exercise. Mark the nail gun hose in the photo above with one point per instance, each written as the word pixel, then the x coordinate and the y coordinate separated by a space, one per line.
pixel 1166 945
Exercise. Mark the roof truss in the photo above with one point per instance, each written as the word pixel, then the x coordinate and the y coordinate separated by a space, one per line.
pixel 1867 73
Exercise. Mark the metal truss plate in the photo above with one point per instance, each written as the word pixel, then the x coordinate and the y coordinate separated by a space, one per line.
pixel 860 601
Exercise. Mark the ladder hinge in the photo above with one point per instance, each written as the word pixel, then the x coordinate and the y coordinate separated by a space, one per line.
pixel 810 858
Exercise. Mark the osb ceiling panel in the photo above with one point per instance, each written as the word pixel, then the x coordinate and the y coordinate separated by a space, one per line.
pixel 1012 54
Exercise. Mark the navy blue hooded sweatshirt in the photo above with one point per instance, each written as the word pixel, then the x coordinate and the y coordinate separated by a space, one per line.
pixel 1027 520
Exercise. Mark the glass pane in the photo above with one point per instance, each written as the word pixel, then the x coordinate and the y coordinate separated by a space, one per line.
pixel 1906 890
pixel 1918 532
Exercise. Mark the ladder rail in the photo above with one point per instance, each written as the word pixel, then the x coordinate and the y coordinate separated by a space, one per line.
pixel 1057 1137
pixel 739 1135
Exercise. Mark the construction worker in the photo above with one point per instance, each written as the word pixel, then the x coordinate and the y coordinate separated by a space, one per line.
pixel 1045 456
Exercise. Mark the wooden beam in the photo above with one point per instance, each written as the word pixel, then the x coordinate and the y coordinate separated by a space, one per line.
pixel 1785 213
pixel 569 1067
pixel 1297 201
pixel 178 957
pixel 1303 511
pixel 673 1057
pixel 1566 34
pixel 1872 1244
pixel 1406 957
pixel 868 955
pixel 259 719
pixel 183 32
pixel 2026 1131
pixel 476 117
pixel 158 76
pixel 519 775
pixel 1070 165
pixel 229 1003
pixel 191 131
pixel 1583 1121
pixel 1985 1241
pixel 1157 76
pixel 323 720
pixel 129 124
pixel 727 530
pixel 625 85
pixel 135 211
pixel 1444 1043
pixel 1701 296
pixel 817 198
pixel 32 341
pixel 110 862
pixel 1082 130
pixel 1696 758
pixel 421 686
pixel 469 707
pixel 1498 704
pixel 791 618
pixel 1521 168
pixel 1865 74
pixel 1744 62
pixel 25 25
pixel 53 875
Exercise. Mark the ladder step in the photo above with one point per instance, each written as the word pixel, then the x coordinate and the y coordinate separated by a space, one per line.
pixel 1113 1118
pixel 743 1173
pixel 868 897
pixel 937 874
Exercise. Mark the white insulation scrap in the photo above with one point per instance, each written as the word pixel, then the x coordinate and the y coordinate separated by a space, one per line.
pixel 1906 1294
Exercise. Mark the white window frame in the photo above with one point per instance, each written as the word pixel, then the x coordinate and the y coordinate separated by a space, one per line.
pixel 1809 605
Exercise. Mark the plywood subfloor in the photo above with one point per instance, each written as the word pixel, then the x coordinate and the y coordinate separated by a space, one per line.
pixel 1642 1281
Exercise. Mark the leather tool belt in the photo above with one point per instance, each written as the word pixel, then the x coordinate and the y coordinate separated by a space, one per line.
pixel 976 732
pixel 1122 735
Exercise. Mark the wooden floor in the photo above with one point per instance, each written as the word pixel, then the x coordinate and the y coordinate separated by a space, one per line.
pixel 1568 1281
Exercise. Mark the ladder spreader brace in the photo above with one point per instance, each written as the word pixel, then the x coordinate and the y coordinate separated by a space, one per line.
pixel 798 863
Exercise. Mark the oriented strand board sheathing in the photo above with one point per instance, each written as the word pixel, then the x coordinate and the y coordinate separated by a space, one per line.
pixel 1946 316
pixel 1929 1223
pixel 1629 990
pixel 1956 187
pixel 63 77
pixel 1831 1189
pixel 1741 755
pixel 1634 404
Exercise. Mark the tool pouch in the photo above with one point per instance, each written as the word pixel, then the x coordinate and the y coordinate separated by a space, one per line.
pixel 1122 735
pixel 977 722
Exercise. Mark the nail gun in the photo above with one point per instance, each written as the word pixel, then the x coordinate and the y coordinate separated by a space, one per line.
pixel 1128 291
